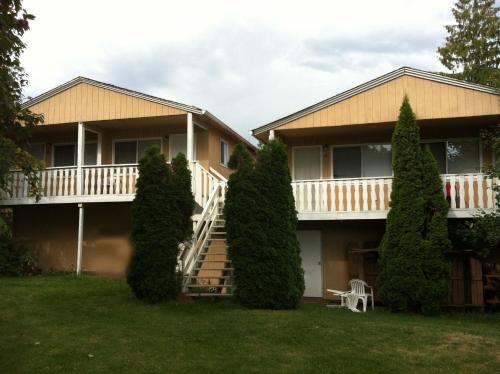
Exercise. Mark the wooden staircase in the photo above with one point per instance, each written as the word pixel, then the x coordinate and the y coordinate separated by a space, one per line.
pixel 208 271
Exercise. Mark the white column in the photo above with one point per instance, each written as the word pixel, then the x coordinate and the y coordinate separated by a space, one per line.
pixel 80 240
pixel 272 136
pixel 80 157
pixel 190 138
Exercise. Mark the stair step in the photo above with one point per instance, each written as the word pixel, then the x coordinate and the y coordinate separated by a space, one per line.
pixel 210 285
pixel 214 269
pixel 215 254
pixel 214 261
pixel 216 277
pixel 209 294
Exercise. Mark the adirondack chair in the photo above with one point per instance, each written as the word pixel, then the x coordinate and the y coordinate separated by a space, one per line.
pixel 358 292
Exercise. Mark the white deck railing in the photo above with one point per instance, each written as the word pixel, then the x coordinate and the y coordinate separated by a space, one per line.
pixel 463 192
pixel 98 183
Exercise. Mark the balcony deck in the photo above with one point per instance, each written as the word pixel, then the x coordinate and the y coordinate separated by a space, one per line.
pixel 368 198
pixel 103 183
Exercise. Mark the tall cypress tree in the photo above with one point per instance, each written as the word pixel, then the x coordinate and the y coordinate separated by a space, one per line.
pixel 400 274
pixel 155 216
pixel 472 46
pixel 245 234
pixel 436 241
pixel 282 282
pixel 181 188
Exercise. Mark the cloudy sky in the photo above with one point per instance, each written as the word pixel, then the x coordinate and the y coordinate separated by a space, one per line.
pixel 248 62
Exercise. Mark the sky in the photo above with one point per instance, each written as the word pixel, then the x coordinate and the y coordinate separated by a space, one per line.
pixel 247 62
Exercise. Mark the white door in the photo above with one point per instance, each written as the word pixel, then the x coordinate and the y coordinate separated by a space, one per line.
pixel 310 251
pixel 178 143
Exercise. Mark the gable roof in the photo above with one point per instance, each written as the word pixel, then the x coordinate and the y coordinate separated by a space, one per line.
pixel 154 99
pixel 404 71
pixel 111 87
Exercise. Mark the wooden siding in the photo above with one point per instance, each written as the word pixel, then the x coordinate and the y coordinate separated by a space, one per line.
pixel 85 103
pixel 429 100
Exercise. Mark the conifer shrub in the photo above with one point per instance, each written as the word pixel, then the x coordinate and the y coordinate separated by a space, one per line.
pixel 181 188
pixel 10 258
pixel 151 273
pixel 261 224
pixel 436 240
pixel 413 270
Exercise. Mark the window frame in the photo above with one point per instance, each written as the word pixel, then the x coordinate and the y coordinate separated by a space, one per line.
pixel 75 145
pixel 223 141
pixel 320 159
pixel 446 140
pixel 360 145
pixel 136 140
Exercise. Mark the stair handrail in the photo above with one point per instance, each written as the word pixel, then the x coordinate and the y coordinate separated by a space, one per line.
pixel 201 233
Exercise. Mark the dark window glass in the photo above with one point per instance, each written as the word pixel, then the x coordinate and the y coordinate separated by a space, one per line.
pixel 64 155
pixel 126 152
pixel 347 162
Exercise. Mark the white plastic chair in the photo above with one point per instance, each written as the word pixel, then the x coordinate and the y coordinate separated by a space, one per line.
pixel 350 299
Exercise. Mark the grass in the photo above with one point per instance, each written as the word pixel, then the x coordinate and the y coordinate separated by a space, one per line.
pixel 61 324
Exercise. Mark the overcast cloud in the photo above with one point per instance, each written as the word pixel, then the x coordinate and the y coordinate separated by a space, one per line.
pixel 248 62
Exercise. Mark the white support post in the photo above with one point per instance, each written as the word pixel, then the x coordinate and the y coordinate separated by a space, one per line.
pixel 272 135
pixel 79 158
pixel 190 138
pixel 80 240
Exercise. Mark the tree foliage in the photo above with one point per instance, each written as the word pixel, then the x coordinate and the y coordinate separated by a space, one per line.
pixel 412 250
pixel 181 188
pixel 261 224
pixel 155 234
pixel 16 122
pixel 472 47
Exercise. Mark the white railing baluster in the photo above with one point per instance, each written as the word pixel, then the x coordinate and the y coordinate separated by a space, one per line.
pixel 333 206
pixel 489 194
pixel 389 192
pixel 365 195
pixel 373 195
pixel 324 196
pixel 341 196
pixel 356 196
pixel 480 186
pixel 309 196
pixel 453 190
pixel 461 192
pixel 349 196
pixel 472 203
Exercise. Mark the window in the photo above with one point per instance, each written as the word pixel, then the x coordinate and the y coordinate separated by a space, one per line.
pixel 371 160
pixel 37 150
pixel 224 153
pixel 456 156
pixel 131 151
pixel 307 163
pixel 65 154
pixel 347 162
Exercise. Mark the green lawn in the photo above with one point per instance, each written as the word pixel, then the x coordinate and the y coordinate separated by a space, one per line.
pixel 63 324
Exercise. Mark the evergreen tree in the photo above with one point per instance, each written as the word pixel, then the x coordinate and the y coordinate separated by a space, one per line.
pixel 472 47
pixel 245 234
pixel 281 278
pixel 182 191
pixel 400 276
pixel 10 259
pixel 436 241
pixel 155 215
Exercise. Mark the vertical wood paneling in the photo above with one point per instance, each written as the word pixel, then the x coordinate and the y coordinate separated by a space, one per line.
pixel 429 99
pixel 85 102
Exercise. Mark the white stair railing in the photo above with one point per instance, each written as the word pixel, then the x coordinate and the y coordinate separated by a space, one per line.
pixel 190 255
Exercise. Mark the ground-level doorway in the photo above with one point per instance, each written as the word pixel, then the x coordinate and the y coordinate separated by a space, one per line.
pixel 310 249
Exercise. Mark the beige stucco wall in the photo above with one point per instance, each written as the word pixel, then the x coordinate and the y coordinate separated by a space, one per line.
pixel 51 232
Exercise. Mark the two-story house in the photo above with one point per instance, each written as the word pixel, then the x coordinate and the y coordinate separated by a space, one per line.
pixel 340 160
pixel 91 140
